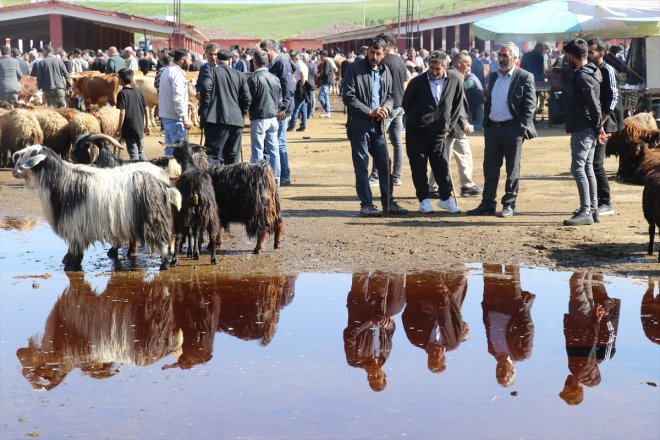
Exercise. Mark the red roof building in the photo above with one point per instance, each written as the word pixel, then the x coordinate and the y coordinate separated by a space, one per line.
pixel 66 25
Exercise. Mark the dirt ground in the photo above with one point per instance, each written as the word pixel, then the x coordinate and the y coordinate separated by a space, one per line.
pixel 324 233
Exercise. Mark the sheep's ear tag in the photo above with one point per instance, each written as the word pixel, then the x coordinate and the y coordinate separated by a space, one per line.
pixel 93 153
pixel 34 161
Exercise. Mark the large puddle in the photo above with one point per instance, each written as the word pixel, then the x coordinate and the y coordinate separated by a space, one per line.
pixel 483 351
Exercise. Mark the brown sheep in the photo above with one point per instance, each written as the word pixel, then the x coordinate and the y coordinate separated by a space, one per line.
pixel 638 162
pixel 82 123
pixel 651 206
pixel 57 135
pixel 108 117
pixel 20 128
pixel 632 130
pixel 68 113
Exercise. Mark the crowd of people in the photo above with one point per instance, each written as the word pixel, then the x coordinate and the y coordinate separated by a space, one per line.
pixel 436 98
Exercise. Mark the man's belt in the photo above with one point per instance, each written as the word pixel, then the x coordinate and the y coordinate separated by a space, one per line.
pixel 503 123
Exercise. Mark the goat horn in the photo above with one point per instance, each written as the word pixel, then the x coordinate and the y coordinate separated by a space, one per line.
pixel 113 141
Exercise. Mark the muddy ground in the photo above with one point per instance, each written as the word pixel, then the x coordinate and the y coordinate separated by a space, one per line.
pixel 324 233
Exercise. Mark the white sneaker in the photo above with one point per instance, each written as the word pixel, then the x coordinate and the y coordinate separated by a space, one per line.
pixel 425 206
pixel 449 205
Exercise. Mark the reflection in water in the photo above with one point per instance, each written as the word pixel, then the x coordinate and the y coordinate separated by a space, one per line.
pixel 374 299
pixel 650 314
pixel 508 320
pixel 138 323
pixel 590 328
pixel 432 318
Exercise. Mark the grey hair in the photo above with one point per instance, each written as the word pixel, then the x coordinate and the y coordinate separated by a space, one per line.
pixel 269 44
pixel 438 56
pixel 513 48
pixel 212 46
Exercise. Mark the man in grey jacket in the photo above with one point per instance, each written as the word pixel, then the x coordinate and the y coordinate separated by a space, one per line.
pixel 53 78
pixel 265 111
pixel 584 123
pixel 367 93
pixel 10 75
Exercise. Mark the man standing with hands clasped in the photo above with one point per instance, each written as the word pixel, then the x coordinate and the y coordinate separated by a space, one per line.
pixel 367 92
pixel 432 102
pixel 508 121
pixel 584 123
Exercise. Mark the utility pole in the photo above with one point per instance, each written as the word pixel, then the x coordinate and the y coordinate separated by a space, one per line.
pixel 364 13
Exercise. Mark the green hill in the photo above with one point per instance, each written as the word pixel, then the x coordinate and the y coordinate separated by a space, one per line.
pixel 279 21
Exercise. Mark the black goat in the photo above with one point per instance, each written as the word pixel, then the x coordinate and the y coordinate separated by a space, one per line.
pixel 247 194
pixel 199 210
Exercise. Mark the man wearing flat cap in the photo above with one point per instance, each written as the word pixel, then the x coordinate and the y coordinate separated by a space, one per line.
pixel 226 98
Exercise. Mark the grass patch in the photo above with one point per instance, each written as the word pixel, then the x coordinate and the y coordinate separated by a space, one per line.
pixel 280 21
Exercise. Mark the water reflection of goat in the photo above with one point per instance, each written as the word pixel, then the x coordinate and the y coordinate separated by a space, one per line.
pixel 95 332
pixel 251 307
pixel 138 323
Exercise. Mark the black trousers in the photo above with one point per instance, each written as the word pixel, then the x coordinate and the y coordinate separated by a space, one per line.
pixel 503 142
pixel 602 184
pixel 425 148
pixel 223 142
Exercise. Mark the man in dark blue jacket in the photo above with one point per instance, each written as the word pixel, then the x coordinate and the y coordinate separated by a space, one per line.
pixel 281 67
pixel 367 93
pixel 583 122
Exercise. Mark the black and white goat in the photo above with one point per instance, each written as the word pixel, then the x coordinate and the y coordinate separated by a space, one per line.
pixel 199 211
pixel 247 194
pixel 85 204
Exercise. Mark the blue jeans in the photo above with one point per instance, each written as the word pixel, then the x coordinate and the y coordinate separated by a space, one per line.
pixel 311 105
pixel 364 143
pixel 174 131
pixel 583 147
pixel 301 108
pixel 263 137
pixel 395 127
pixel 324 97
pixel 285 173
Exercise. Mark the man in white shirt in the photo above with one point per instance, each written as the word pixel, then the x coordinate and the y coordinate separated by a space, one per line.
pixel 131 60
pixel 301 92
pixel 173 100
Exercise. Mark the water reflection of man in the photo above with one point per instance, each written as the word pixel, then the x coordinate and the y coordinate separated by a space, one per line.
pixel 650 314
pixel 508 320
pixel 590 328
pixel 374 299
pixel 432 318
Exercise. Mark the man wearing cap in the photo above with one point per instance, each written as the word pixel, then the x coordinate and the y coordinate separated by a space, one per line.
pixel 130 59
pixel 227 98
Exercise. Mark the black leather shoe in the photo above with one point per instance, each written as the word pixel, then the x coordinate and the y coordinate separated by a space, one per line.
pixel 482 209
pixel 395 209
pixel 507 211
pixel 471 191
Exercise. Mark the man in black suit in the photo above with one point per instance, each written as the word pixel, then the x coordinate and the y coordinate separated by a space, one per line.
pixel 226 99
pixel 432 319
pixel 432 102
pixel 367 93
pixel 372 303
pixel 508 320
pixel 508 121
